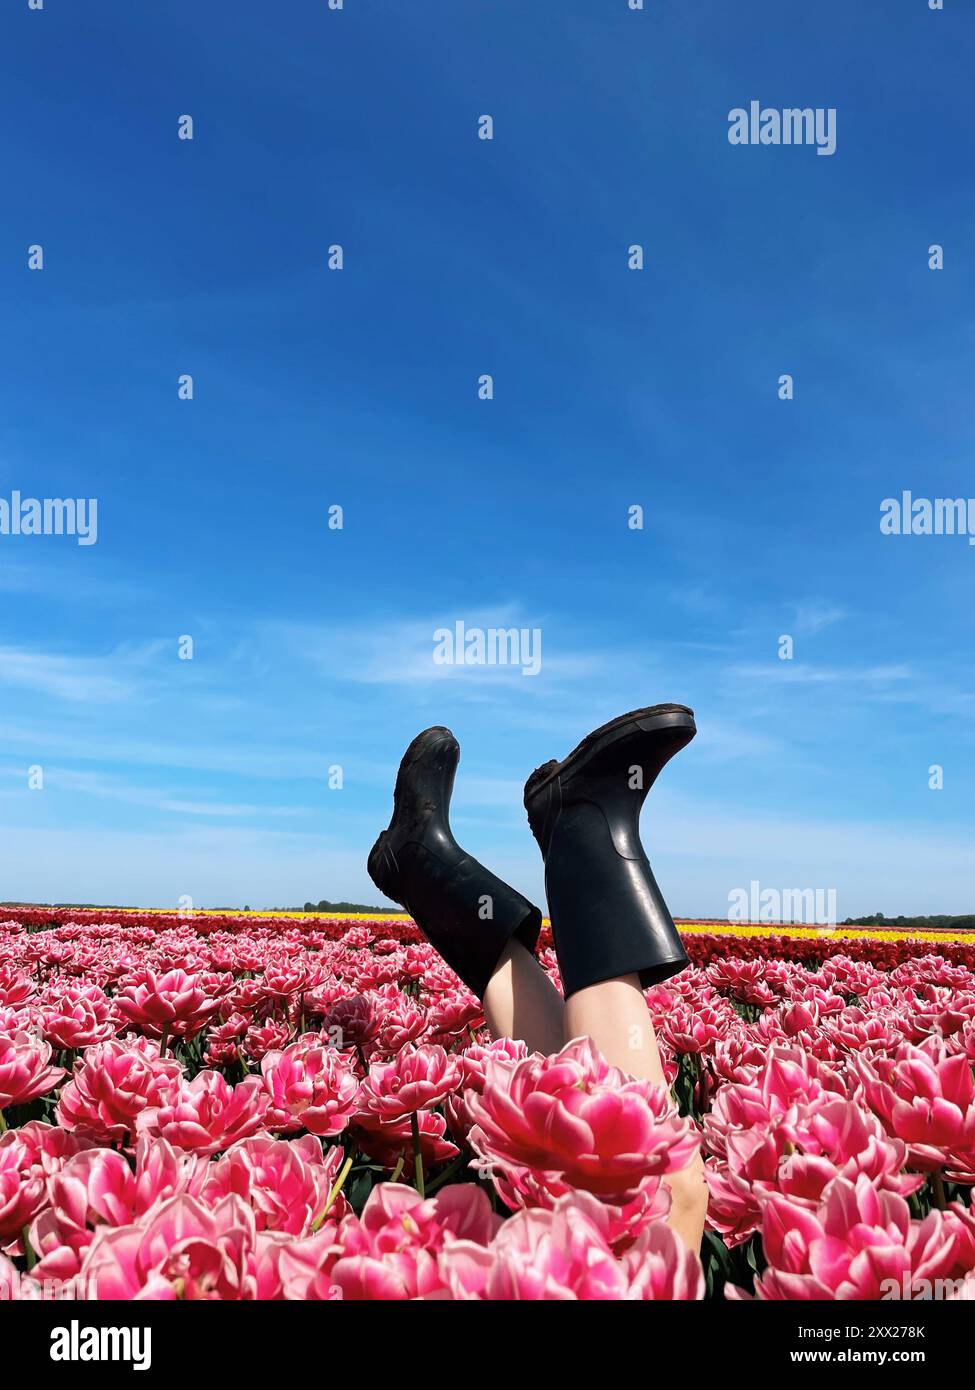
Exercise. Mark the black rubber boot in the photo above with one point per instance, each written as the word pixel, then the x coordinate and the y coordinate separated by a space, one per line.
pixel 608 917
pixel 463 910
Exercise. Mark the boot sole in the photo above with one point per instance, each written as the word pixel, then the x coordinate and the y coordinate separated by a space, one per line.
pixel 651 719
pixel 381 864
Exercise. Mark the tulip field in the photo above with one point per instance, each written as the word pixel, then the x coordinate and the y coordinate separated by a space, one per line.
pixel 240 1107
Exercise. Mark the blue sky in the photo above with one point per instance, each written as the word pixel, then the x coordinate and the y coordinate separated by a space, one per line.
pixel 613 387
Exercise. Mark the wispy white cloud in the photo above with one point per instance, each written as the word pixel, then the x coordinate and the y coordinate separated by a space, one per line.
pixel 401 652
pixel 104 786
pixel 69 584
pixel 806 673
pixel 80 679
pixel 813 615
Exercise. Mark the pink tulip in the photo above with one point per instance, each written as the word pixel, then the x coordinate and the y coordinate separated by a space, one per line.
pixel 286 1183
pixel 786 1077
pixel 224 1042
pixel 389 1141
pixel 798 1156
pixel 856 1031
pixel 24 1068
pixel 78 1015
pixel 181 1250
pixel 49 1146
pixel 207 1113
pixel 689 1029
pixel 374 971
pixel 309 1087
pixel 29 1158
pixel 391 1252
pixel 925 1096
pixel 417 1078
pixel 351 1021
pixel 16 987
pixel 112 1084
pixel 270 1036
pixel 304 1267
pixel 575 1118
pixel 622 1222
pixel 750 981
pixel 472 1062
pixel 562 1254
pixel 285 977
pixel 97 1188
pixel 400 1021
pixel 454 1015
pixel 852 1246
pixel 735 1056
pixel 22 1190
pixel 172 1004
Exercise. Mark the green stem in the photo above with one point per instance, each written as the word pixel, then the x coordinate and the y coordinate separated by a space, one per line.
pixel 938 1188
pixel 447 1173
pixel 336 1189
pixel 163 1041
pixel 29 1254
pixel 3 1122
pixel 417 1155
pixel 400 1165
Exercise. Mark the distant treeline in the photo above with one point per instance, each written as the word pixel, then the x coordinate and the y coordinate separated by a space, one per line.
pixel 326 906
pixel 964 922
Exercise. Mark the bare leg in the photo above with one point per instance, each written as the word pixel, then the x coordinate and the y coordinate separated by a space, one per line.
pixel 521 1002
pixel 614 1014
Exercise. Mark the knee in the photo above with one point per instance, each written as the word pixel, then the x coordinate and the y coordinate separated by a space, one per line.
pixel 689 1190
